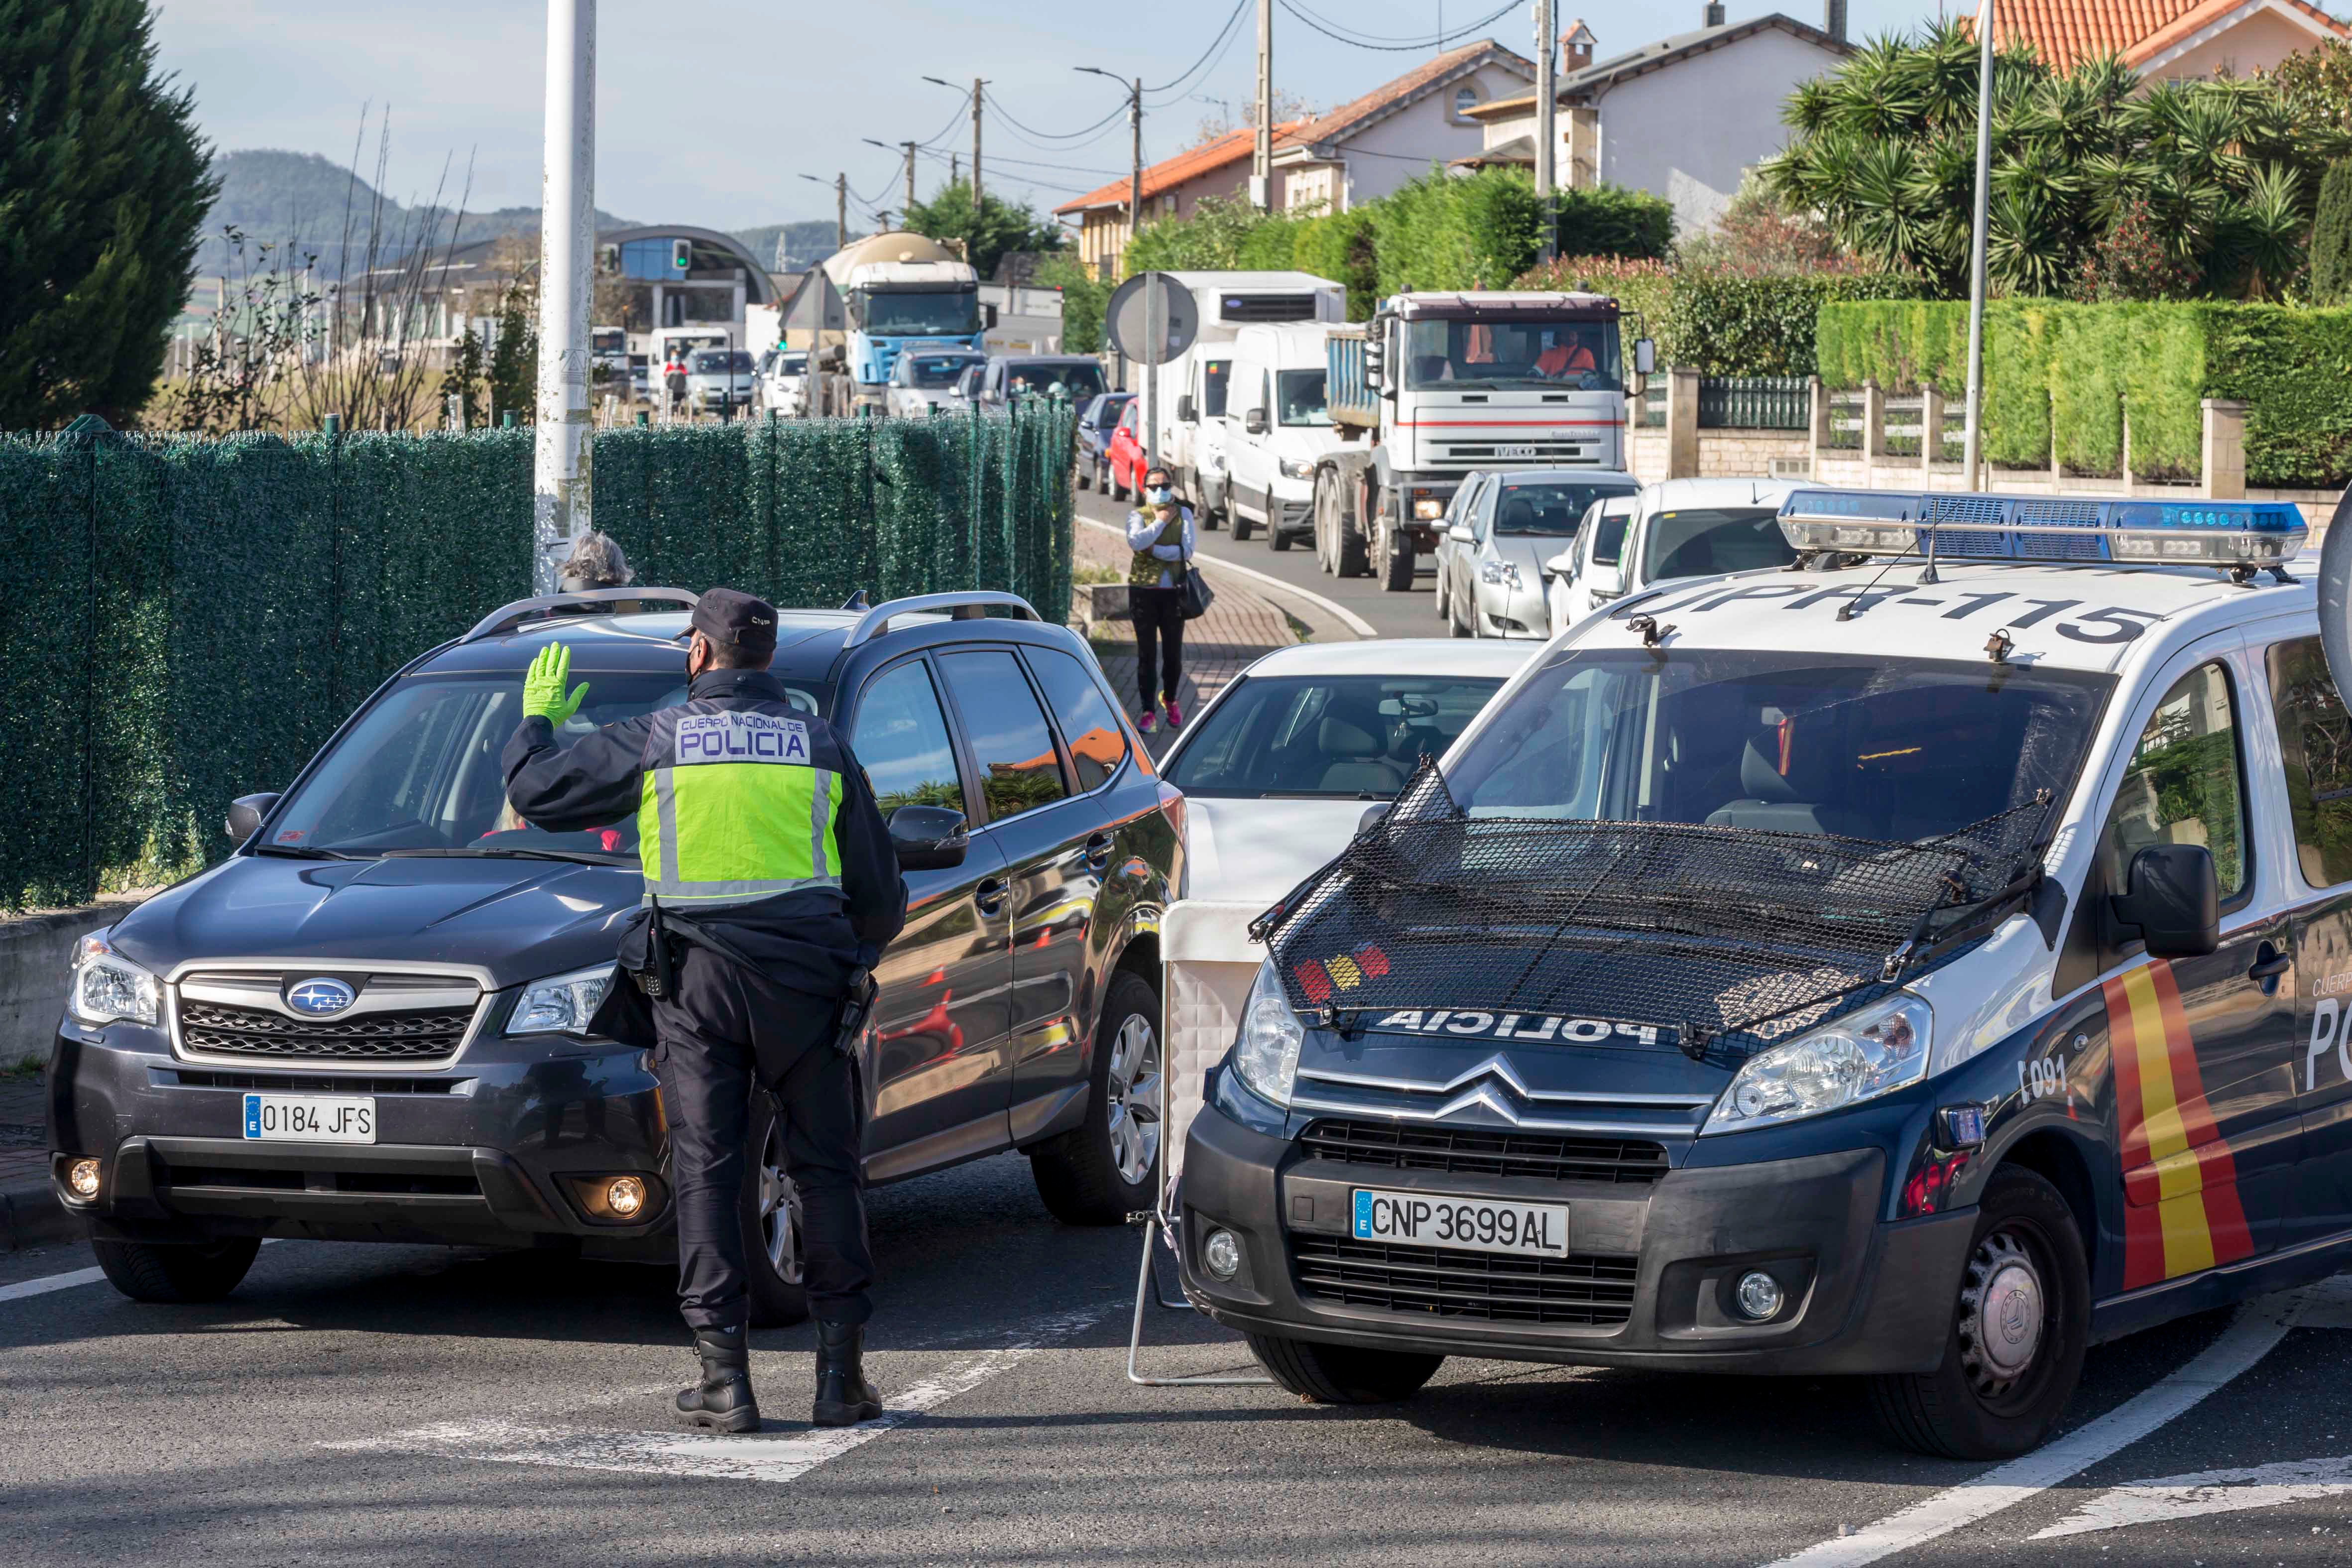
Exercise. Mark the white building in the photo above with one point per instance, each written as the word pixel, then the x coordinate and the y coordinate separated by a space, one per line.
pixel 1684 117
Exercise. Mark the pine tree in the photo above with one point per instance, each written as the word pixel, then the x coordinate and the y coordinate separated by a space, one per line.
pixel 2331 238
pixel 104 184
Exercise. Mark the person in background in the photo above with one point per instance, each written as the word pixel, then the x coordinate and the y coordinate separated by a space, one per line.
pixel 673 382
pixel 595 561
pixel 1159 532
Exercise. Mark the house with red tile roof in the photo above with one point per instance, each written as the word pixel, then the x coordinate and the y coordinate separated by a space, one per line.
pixel 1329 162
pixel 2177 39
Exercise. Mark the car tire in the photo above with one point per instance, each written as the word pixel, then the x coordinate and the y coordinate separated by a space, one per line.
pixel 1396 567
pixel 1241 527
pixel 774 1251
pixel 176 1272
pixel 1277 538
pixel 1209 518
pixel 1107 1167
pixel 1086 477
pixel 1980 1403
pixel 1343 1374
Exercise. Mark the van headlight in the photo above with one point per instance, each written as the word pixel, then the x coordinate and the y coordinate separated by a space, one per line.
pixel 1296 469
pixel 561 1004
pixel 1869 1052
pixel 106 986
pixel 1267 1053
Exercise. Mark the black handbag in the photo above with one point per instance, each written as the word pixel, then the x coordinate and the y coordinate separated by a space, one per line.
pixel 1198 596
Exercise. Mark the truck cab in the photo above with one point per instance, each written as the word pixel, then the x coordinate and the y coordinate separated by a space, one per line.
pixel 1277 427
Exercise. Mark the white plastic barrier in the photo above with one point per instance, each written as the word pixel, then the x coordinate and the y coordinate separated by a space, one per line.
pixel 1210 964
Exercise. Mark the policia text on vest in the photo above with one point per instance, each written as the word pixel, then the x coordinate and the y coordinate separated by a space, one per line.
pixel 771 888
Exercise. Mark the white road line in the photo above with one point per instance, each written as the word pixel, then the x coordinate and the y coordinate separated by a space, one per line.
pixel 42 1287
pixel 2258 1326
pixel 1354 622
pixel 751 1456
pixel 2171 1498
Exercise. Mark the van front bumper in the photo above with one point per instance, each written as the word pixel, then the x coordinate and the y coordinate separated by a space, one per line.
pixel 1648 1281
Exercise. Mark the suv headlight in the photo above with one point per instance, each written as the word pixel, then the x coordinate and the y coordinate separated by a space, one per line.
pixel 1266 1052
pixel 1499 571
pixel 562 1004
pixel 106 986
pixel 1296 469
pixel 1869 1052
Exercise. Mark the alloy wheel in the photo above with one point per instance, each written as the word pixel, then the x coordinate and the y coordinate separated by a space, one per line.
pixel 1131 1098
pixel 781 1218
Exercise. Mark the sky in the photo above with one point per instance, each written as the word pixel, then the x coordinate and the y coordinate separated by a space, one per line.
pixel 710 111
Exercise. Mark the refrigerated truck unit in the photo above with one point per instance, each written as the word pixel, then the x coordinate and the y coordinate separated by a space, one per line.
pixel 1225 302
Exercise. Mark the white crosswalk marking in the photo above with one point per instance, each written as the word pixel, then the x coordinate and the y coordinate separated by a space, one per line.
pixel 751 1456
pixel 2171 1498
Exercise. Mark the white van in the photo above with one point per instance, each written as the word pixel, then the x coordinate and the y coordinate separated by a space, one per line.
pixel 1192 387
pixel 1275 427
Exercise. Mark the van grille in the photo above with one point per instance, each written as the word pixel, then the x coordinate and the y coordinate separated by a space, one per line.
pixel 213 1028
pixel 1593 1290
pixel 1632 1162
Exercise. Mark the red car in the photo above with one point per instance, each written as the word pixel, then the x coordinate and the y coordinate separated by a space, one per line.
pixel 1127 454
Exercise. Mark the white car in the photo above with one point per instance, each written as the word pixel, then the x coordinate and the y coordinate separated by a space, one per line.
pixel 1278 770
pixel 1499 531
pixel 922 382
pixel 784 382
pixel 720 381
pixel 1679 528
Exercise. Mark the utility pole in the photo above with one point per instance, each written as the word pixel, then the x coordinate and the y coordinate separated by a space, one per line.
pixel 976 85
pixel 1262 156
pixel 560 489
pixel 910 146
pixel 1546 131
pixel 1975 444
pixel 841 212
pixel 1135 156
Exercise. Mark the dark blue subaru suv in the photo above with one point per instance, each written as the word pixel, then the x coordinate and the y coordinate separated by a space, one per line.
pixel 369 1023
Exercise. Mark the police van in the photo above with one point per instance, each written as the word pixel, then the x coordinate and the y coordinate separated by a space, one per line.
pixel 1923 962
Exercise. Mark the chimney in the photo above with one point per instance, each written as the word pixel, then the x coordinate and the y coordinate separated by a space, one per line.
pixel 1713 13
pixel 1834 18
pixel 1576 47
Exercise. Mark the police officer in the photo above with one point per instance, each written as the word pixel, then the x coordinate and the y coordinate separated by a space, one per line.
pixel 770 886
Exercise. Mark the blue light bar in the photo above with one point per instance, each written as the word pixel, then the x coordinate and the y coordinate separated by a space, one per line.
pixel 2236 535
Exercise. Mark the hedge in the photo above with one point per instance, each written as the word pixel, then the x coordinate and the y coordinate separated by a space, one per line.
pixel 192 618
pixel 1718 321
pixel 2063 375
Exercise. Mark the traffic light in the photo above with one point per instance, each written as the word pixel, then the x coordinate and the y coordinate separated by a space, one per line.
pixel 681 255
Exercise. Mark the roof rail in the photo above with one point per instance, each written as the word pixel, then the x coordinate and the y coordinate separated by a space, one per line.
pixel 969 604
pixel 506 618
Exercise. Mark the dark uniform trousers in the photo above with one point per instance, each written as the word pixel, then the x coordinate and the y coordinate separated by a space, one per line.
pixel 725 1030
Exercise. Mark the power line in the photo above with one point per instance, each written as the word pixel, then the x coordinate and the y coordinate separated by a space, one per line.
pixel 955 121
pixel 1006 115
pixel 1215 44
pixel 1331 30
pixel 1034 164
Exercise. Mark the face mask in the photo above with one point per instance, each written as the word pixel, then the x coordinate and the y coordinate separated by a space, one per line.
pixel 1162 496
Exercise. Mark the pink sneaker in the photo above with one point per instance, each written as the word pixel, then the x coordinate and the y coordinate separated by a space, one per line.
pixel 1146 723
pixel 1175 717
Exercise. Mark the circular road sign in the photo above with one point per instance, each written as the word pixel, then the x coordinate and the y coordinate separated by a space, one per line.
pixel 1152 325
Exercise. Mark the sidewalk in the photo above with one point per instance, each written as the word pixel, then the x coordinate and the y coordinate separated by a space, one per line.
pixel 1241 626
pixel 29 1212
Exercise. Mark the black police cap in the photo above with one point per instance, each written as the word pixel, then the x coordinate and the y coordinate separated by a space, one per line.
pixel 736 618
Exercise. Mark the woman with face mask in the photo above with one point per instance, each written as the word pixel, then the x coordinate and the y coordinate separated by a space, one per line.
pixel 1159 532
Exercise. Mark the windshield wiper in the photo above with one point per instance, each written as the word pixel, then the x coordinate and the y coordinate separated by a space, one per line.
pixel 576 856
pixel 305 852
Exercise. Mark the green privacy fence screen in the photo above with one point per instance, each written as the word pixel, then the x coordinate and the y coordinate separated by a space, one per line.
pixel 186 620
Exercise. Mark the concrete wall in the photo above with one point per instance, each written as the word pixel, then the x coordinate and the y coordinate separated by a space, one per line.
pixel 2255 37
pixel 1688 131
pixel 34 952
pixel 1403 146
pixel 1722 454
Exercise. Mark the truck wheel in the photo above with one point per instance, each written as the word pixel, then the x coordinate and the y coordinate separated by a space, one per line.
pixel 1322 512
pixel 176 1272
pixel 2015 1350
pixel 1107 1167
pixel 1396 575
pixel 1349 559
pixel 769 1210
pixel 1343 1374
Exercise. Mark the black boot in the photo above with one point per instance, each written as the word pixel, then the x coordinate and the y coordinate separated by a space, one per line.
pixel 722 1400
pixel 844 1397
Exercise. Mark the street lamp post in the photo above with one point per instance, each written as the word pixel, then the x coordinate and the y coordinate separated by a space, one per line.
pixel 560 474
pixel 1972 460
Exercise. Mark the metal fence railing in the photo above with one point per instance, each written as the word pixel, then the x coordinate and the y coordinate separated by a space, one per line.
pixel 1754 403
pixel 198 614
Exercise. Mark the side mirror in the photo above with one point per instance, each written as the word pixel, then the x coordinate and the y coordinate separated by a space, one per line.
pixel 244 815
pixel 2174 902
pixel 988 316
pixel 1561 565
pixel 1375 364
pixel 1373 816
pixel 1254 422
pixel 928 837
pixel 1460 533
pixel 1645 356
pixel 1185 409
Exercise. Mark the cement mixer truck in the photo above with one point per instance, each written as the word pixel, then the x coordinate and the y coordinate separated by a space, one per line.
pixel 903 292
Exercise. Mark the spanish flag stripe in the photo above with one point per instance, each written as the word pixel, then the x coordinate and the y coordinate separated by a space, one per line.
pixel 2182 1212
pixel 2225 1214
pixel 2196 1115
pixel 2187 1242
pixel 2143 1247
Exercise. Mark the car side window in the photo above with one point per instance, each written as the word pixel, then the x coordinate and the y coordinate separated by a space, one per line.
pixel 1097 745
pixel 1019 768
pixel 2185 783
pixel 2315 745
pixel 901 741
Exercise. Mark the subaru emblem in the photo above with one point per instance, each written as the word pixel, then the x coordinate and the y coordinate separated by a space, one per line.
pixel 321 997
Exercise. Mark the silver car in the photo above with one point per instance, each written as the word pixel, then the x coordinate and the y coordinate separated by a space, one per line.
pixel 1501 530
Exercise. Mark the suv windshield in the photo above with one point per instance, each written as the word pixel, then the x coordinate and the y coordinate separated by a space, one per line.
pixel 719 361
pixel 1300 395
pixel 1545 507
pixel 1793 742
pixel 932 372
pixel 1347 737
pixel 1701 541
pixel 421 770
pixel 1516 354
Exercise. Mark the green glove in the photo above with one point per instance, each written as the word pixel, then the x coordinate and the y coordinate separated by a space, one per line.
pixel 542 686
